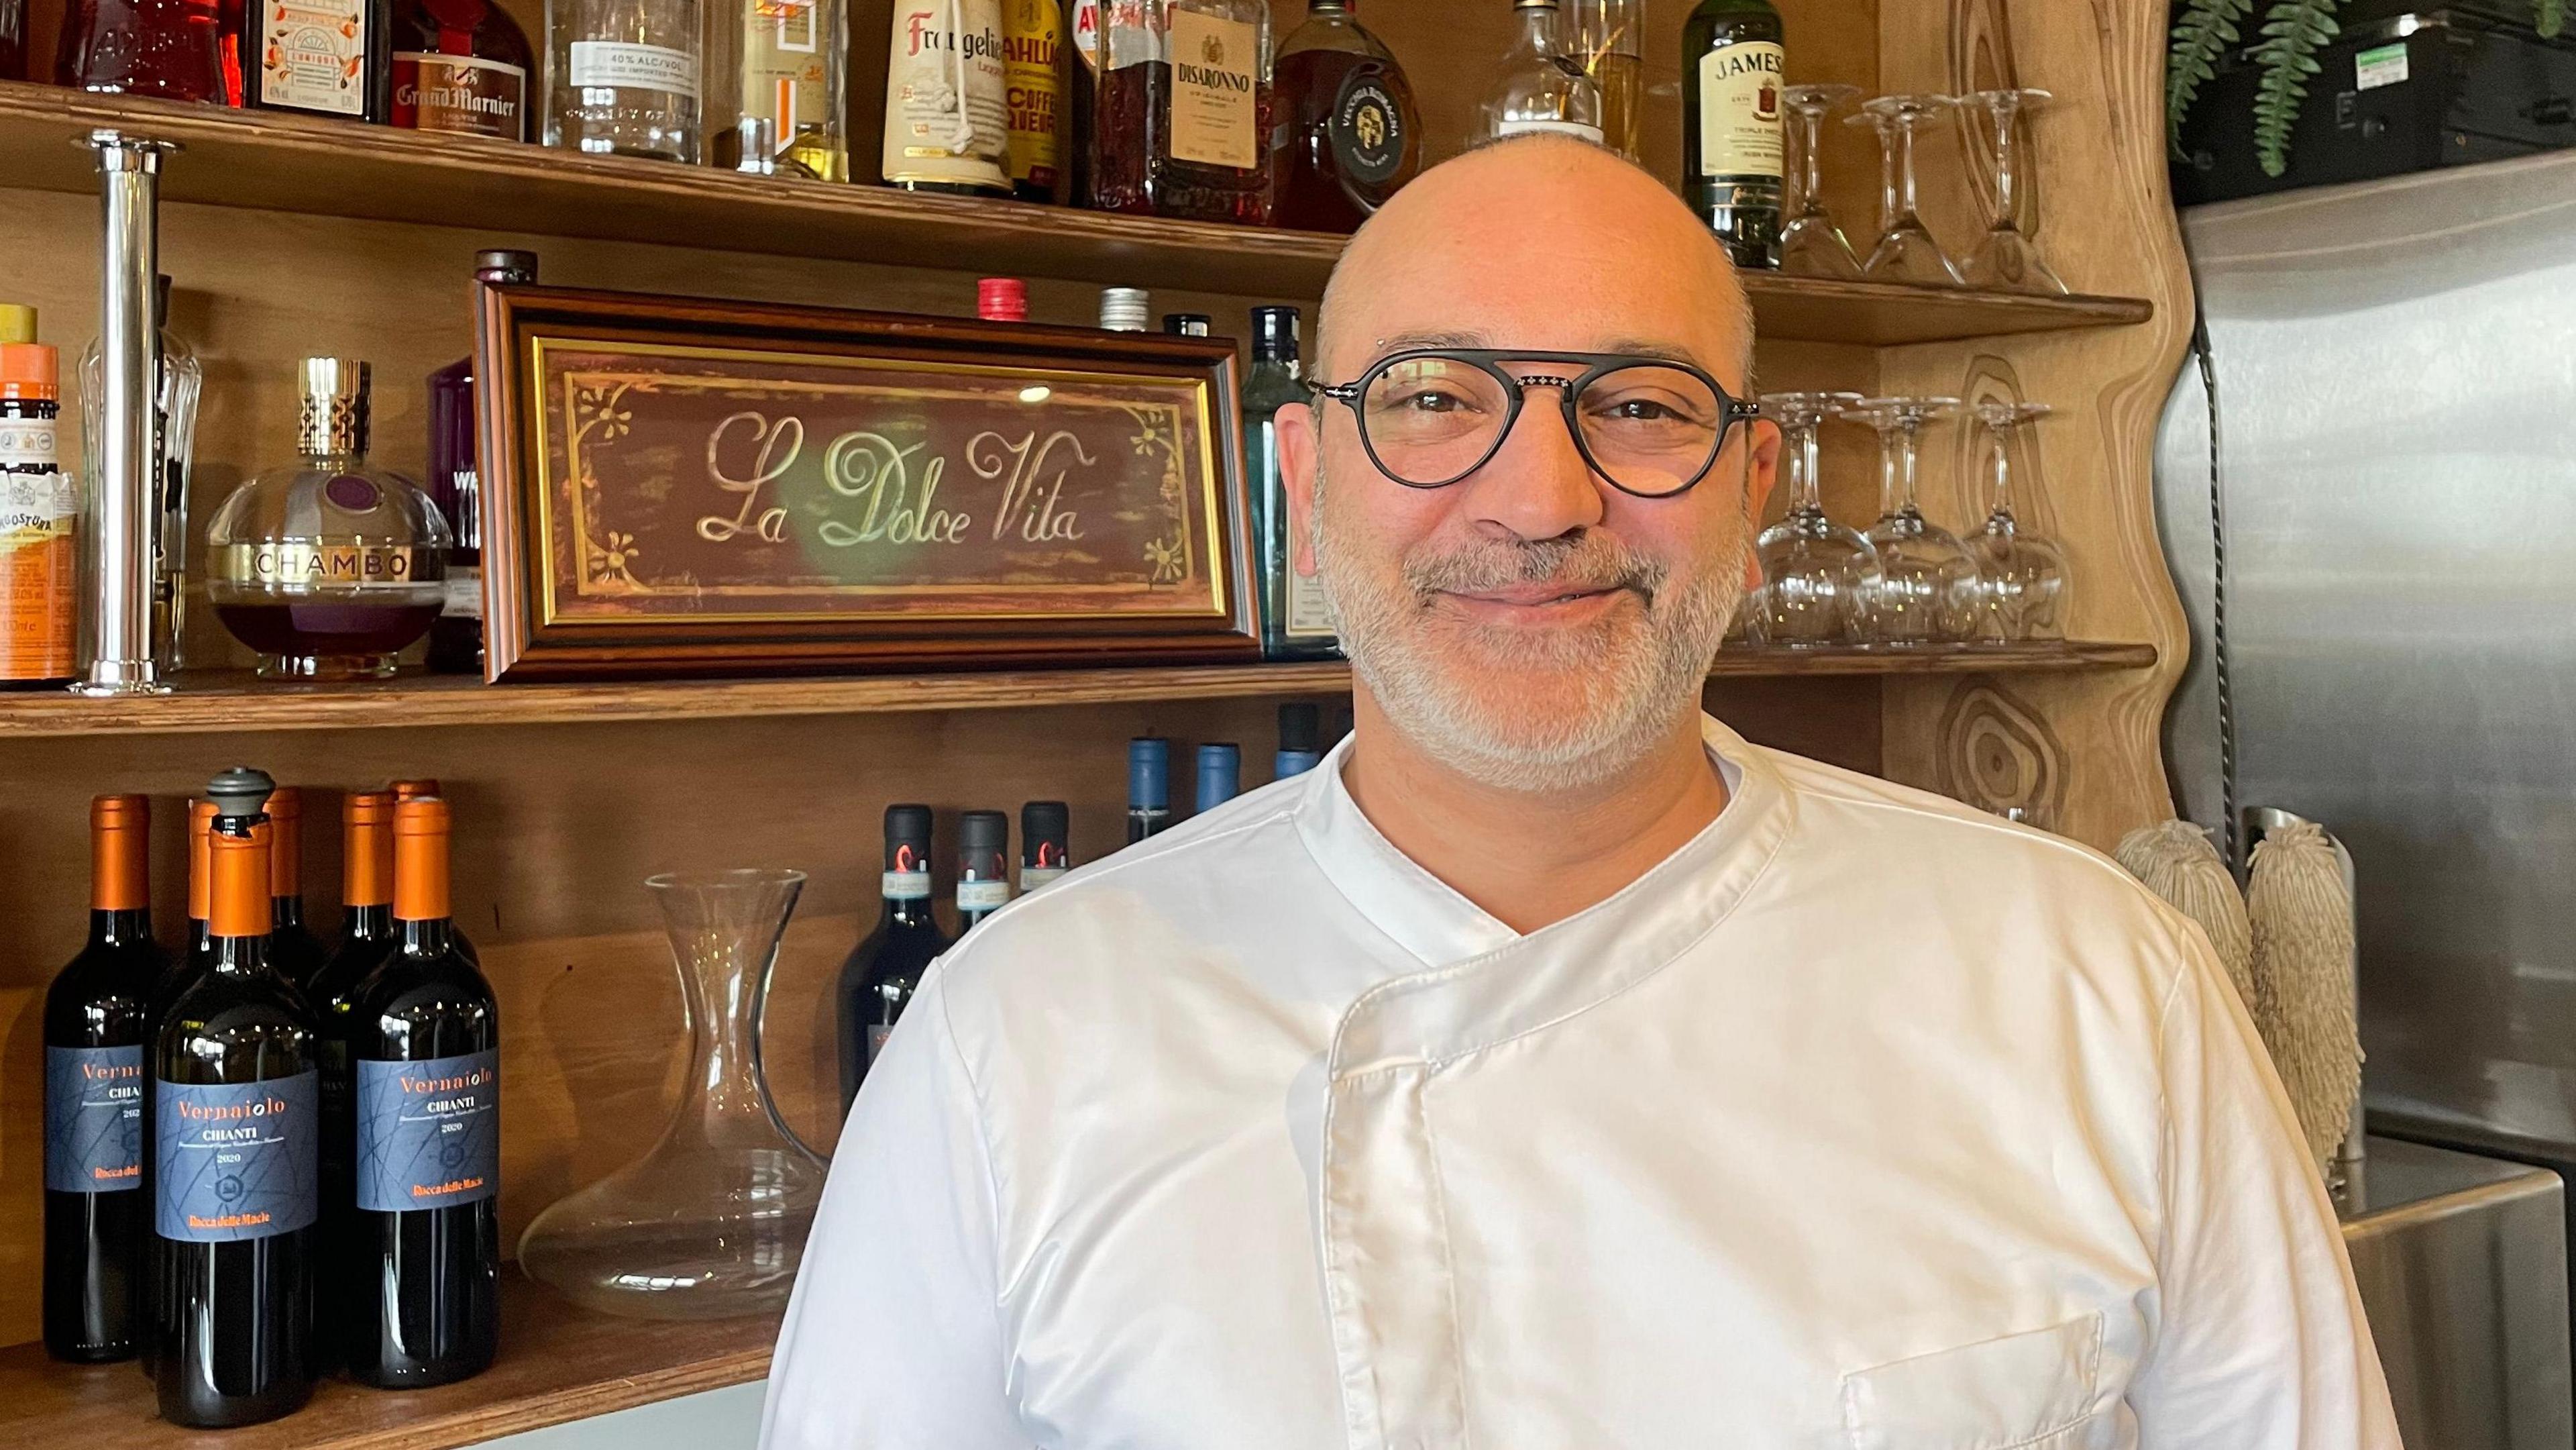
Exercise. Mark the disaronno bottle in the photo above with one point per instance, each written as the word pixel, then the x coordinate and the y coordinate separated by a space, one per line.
pixel 327 566
pixel 946 116
pixel 1731 151
pixel 1180 127
pixel 781 64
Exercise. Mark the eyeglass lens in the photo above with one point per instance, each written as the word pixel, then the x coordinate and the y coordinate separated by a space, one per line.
pixel 1649 428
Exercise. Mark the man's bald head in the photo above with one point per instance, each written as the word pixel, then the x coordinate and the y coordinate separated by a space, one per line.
pixel 1542 226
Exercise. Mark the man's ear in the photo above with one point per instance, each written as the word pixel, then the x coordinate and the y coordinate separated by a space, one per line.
pixel 1298 428
pixel 1761 466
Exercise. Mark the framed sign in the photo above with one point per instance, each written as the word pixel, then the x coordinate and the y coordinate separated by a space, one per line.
pixel 675 486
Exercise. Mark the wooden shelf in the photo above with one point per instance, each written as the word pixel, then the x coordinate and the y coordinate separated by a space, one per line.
pixel 326 168
pixel 229 701
pixel 557 1363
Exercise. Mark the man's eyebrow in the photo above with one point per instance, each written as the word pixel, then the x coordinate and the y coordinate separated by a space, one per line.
pixel 1628 347
pixel 1659 351
pixel 1405 341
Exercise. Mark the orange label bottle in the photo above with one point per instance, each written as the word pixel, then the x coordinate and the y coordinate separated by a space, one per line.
pixel 39 522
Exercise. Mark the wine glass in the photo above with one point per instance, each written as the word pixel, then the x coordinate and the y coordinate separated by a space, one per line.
pixel 1926 592
pixel 1906 251
pixel 2021 577
pixel 1815 572
pixel 2008 259
pixel 1812 244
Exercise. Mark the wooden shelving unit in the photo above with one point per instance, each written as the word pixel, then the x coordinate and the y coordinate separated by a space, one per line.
pixel 323 168
pixel 557 1363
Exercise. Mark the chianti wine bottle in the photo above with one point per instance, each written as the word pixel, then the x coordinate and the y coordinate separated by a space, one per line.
pixel 94 1048
pixel 424 1044
pixel 1149 787
pixel 885 969
pixel 1046 849
pixel 983 867
pixel 1301 745
pixel 366 939
pixel 293 950
pixel 428 786
pixel 235 1115
pixel 181 974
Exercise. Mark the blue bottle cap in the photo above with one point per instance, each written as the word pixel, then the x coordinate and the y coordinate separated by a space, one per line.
pixel 1149 773
pixel 1220 775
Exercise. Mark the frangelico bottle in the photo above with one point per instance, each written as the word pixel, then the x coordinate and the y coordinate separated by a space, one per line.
pixel 1731 139
pixel 885 969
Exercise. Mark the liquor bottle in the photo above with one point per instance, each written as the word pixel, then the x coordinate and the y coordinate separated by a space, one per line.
pixel 1179 126
pixel 321 58
pixel 367 938
pixel 1537 86
pixel 1188 324
pixel 1220 775
pixel 1149 787
pixel 1296 617
pixel 1347 132
pixel 95 1220
pixel 461 66
pixel 424 1259
pixel 1002 299
pixel 778 68
pixel 40 515
pixel 1125 309
pixel 884 970
pixel 622 78
pixel 233 1153
pixel 182 973
pixel 1046 843
pixel 13 39
pixel 1033 79
pixel 371 534
pixel 1731 143
pixel 456 486
pixel 983 867
pixel 1082 27
pixel 166 48
pixel 947 119
pixel 293 951
pixel 1301 745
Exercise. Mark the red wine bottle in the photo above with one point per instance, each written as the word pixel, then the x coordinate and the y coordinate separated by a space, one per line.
pixel 293 949
pixel 1046 843
pixel 366 939
pixel 180 975
pixel 95 1214
pixel 235 1122
pixel 983 867
pixel 885 969
pixel 425 1049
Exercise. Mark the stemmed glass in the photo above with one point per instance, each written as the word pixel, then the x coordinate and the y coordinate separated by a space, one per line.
pixel 1815 572
pixel 1811 244
pixel 2008 259
pixel 1906 251
pixel 1927 580
pixel 2021 577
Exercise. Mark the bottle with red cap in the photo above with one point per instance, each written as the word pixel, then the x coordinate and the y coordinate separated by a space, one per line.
pixel 39 513
pixel 1002 299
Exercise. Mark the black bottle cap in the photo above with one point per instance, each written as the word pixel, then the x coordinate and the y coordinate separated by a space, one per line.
pixel 979 832
pixel 239 793
pixel 1048 821
pixel 907 825
pixel 505 265
pixel 1274 334
pixel 1301 726
pixel 1188 324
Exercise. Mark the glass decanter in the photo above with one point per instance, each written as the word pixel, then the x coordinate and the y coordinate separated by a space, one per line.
pixel 1537 85
pixel 2021 576
pixel 2008 259
pixel 1815 572
pixel 711 1222
pixel 328 566
pixel 1812 243
pixel 1926 592
pixel 1905 251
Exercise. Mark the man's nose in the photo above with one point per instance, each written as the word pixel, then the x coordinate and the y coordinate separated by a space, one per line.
pixel 1537 484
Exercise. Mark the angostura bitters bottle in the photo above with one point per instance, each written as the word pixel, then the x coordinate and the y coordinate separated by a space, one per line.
pixel 95 1215
pixel 425 1048
pixel 235 1118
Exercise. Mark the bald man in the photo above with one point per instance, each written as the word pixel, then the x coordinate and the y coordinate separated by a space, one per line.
pixel 1551 1067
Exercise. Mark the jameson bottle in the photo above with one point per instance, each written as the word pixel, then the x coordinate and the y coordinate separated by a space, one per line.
pixel 983 867
pixel 234 1137
pixel 1046 843
pixel 1731 146
pixel 1149 787
pixel 1296 618
pixel 366 939
pixel 883 971
pixel 424 1269
pixel 95 1215
pixel 292 948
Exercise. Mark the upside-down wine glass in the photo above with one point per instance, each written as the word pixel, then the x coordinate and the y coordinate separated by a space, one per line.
pixel 2008 259
pixel 1812 244
pixel 2021 576
pixel 1906 251
pixel 1926 592
pixel 1815 572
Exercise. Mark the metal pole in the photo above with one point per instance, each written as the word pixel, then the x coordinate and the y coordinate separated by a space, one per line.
pixel 124 479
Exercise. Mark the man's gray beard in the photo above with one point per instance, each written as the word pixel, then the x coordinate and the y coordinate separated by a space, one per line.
pixel 1633 682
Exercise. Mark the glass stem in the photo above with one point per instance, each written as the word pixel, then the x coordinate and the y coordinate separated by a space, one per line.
pixel 2005 114
pixel 1902 184
pixel 1808 137
pixel 1893 466
pixel 1893 200
pixel 1803 490
pixel 2003 509
pixel 1905 436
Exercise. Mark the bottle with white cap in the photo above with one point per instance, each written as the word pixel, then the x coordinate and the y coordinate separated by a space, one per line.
pixel 1125 309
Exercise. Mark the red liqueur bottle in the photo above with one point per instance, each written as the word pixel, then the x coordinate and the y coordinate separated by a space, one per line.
pixel 167 48
pixel 1347 133
pixel 1181 120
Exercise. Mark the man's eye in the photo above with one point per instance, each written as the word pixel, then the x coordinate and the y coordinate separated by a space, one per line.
pixel 1431 400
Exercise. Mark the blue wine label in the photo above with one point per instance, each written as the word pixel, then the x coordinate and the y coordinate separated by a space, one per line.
pixel 429 1132
pixel 93 1119
pixel 234 1161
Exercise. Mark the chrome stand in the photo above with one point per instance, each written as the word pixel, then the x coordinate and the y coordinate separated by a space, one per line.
pixel 124 506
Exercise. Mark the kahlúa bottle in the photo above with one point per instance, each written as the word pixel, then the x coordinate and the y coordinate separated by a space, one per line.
pixel 95 1215
pixel 425 1047
pixel 235 1118
pixel 884 970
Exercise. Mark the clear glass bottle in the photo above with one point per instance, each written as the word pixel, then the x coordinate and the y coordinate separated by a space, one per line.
pixel 175 389
pixel 775 70
pixel 1347 132
pixel 328 566
pixel 1181 121
pixel 1538 86
pixel 1296 617
pixel 623 77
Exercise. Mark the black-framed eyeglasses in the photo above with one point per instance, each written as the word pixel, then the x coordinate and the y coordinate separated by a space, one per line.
pixel 1429 417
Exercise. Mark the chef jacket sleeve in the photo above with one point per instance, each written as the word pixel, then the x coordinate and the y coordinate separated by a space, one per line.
pixel 2259 1343
pixel 893 1339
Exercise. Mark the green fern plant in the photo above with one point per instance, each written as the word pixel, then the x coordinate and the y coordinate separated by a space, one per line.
pixel 2292 34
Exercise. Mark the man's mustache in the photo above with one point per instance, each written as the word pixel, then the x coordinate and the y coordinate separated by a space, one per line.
pixel 1580 563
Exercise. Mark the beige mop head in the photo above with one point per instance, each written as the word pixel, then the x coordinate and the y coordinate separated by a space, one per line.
pixel 2177 862
pixel 2303 990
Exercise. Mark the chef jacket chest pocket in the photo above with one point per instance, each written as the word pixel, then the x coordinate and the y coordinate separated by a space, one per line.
pixel 2029 1391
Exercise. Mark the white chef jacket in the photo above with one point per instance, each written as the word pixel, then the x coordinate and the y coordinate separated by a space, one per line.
pixel 1864 1120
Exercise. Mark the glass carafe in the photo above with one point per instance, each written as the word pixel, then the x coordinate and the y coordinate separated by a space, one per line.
pixel 711 1222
